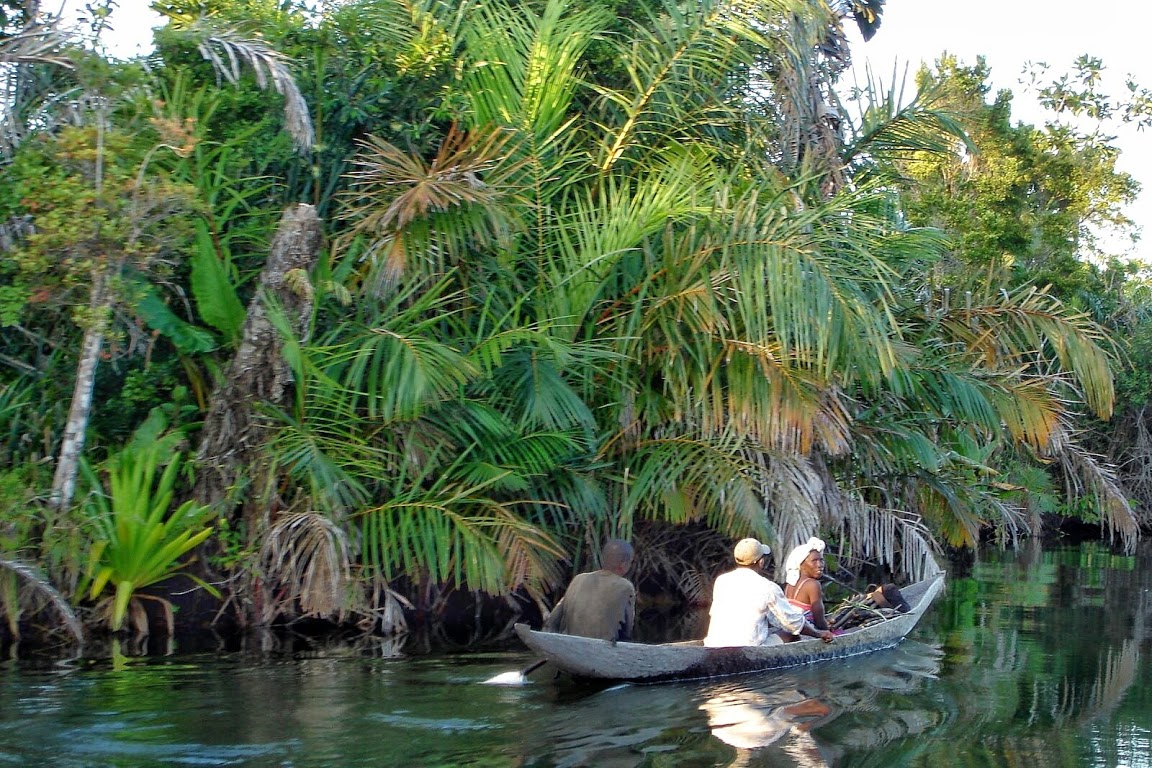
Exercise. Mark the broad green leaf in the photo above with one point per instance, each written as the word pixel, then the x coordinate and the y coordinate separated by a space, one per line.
pixel 216 298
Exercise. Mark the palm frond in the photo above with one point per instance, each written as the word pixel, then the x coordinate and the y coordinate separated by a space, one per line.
pixel 394 374
pixel 605 223
pixel 523 71
pixel 685 479
pixel 893 125
pixel 888 536
pixel 21 53
pixel 41 586
pixel 421 35
pixel 536 386
pixel 228 49
pixel 306 560
pixel 1030 412
pixel 455 535
pixel 1031 327
pixel 39 43
pixel 680 68
pixel 323 455
pixel 1085 474
pixel 411 210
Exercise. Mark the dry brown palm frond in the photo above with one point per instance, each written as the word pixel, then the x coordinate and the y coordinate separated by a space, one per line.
pixel 1088 474
pixel 892 537
pixel 397 199
pixel 35 44
pixel 685 558
pixel 403 188
pixel 228 49
pixel 1135 461
pixel 305 560
pixel 19 54
pixel 43 587
pixel 793 490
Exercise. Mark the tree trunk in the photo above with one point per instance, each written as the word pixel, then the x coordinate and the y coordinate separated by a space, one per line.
pixel 72 445
pixel 232 472
pixel 233 432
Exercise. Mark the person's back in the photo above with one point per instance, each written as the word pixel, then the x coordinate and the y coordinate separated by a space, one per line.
pixel 742 603
pixel 599 604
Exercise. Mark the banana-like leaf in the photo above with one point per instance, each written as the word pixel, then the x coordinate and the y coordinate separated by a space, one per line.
pixel 216 298
pixel 187 337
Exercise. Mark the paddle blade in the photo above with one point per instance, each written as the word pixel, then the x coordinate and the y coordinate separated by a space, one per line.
pixel 515 678
pixel 507 678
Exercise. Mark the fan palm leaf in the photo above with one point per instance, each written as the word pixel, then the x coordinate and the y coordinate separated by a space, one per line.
pixel 414 213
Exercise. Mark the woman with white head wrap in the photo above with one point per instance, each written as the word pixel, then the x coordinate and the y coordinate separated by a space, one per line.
pixel 802 570
pixel 797 556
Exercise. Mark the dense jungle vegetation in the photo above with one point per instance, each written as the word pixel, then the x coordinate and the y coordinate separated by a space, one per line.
pixel 347 312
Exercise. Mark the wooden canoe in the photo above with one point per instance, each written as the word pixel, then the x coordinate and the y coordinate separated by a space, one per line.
pixel 592 659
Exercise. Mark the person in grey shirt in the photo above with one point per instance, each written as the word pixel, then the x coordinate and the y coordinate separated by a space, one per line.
pixel 600 604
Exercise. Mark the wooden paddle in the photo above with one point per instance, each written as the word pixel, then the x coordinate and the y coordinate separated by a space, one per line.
pixel 533 667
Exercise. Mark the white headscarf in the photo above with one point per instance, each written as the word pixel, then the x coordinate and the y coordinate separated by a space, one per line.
pixel 797 555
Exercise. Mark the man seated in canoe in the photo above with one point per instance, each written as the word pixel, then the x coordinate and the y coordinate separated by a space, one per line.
pixel 600 604
pixel 802 571
pixel 750 609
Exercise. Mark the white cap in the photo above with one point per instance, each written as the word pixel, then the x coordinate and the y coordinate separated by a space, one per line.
pixel 748 551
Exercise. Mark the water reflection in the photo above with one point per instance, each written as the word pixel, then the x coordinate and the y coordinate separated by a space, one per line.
pixel 1035 658
pixel 769 719
pixel 750 720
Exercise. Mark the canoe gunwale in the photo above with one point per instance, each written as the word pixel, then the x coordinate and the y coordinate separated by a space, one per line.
pixel 587 658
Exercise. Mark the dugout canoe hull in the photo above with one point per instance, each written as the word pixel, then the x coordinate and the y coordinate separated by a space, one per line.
pixel 591 659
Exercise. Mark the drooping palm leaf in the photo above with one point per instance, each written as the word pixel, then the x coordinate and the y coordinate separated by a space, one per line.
pixel 456 535
pixel 228 49
pixel 685 479
pixel 306 560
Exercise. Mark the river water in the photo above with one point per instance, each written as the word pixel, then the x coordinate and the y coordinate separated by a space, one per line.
pixel 1031 658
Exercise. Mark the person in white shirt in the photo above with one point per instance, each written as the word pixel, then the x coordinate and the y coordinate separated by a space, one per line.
pixel 750 609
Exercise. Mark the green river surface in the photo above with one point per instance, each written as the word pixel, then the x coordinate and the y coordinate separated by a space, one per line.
pixel 1030 658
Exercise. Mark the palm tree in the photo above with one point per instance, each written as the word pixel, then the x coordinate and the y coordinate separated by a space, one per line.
pixel 564 323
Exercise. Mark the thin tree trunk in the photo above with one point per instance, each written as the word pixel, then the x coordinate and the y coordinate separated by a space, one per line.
pixel 72 445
